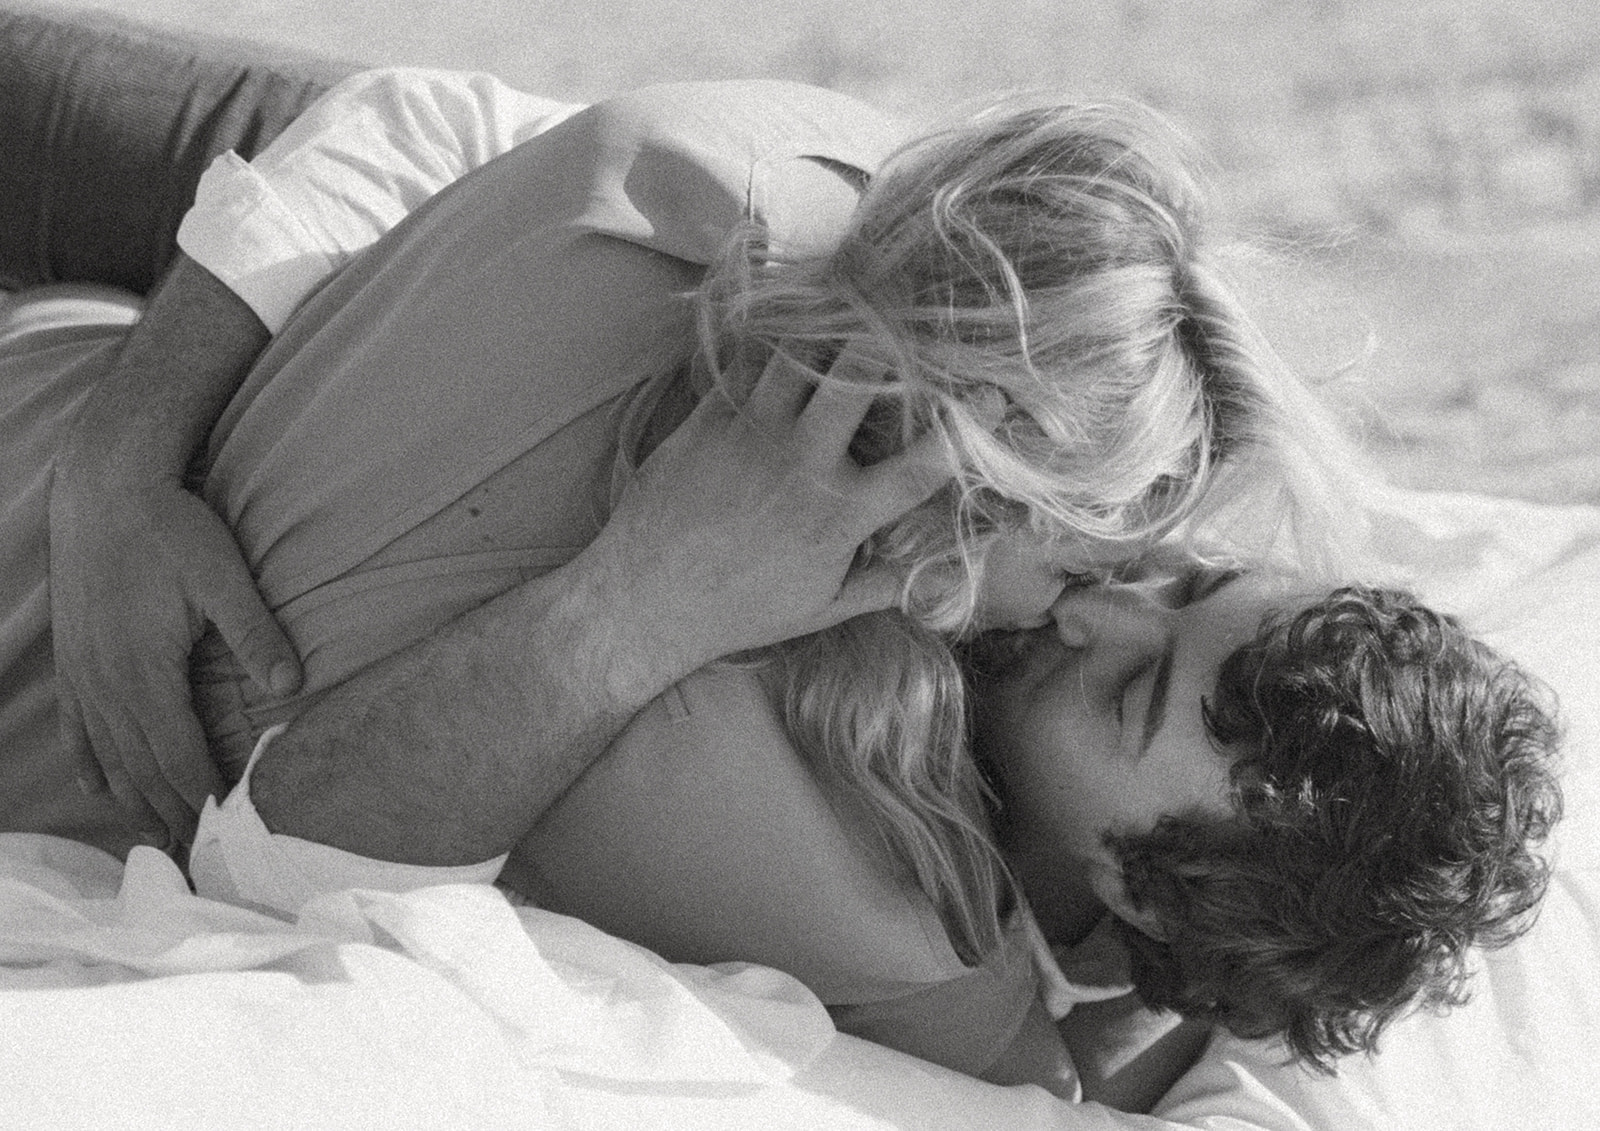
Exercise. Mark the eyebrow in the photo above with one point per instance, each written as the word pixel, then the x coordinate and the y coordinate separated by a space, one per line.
pixel 1156 713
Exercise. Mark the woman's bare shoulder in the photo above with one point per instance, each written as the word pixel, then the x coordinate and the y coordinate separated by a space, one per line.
pixel 703 835
pixel 677 167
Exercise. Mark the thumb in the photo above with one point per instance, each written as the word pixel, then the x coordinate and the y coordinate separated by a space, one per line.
pixel 75 736
pixel 255 638
pixel 868 590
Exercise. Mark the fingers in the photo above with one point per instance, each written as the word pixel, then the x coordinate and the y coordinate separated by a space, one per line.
pixel 155 763
pixel 781 392
pixel 161 828
pixel 253 635
pixel 828 422
pixel 833 416
pixel 96 754
pixel 827 409
pixel 150 804
pixel 174 773
pixel 895 485
pixel 867 590
pixel 177 782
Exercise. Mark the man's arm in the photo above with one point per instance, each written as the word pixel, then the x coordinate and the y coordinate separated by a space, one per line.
pixel 139 564
pixel 739 531
pixel 124 535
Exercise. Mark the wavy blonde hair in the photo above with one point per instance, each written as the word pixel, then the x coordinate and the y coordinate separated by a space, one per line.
pixel 1034 287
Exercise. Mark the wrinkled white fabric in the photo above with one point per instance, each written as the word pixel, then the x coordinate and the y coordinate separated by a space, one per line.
pixel 346 171
pixel 566 995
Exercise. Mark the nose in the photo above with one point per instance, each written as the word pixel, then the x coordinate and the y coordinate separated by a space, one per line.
pixel 1110 615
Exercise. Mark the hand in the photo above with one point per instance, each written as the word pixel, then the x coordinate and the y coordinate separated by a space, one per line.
pixel 742 528
pixel 136 574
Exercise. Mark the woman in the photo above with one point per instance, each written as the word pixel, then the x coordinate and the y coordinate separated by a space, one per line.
pixel 798 197
pixel 1027 291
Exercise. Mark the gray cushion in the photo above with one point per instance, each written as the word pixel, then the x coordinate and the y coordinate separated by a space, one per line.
pixel 105 127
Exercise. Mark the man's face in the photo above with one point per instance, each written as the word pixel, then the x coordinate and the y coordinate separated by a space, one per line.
pixel 1093 723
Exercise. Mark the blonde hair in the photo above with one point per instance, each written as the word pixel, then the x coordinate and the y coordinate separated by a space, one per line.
pixel 1033 287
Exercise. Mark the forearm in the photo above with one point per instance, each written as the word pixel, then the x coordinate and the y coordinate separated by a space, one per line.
pixel 180 365
pixel 448 752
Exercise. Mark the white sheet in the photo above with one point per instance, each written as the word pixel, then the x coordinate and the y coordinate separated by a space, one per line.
pixel 125 996
pixel 127 1001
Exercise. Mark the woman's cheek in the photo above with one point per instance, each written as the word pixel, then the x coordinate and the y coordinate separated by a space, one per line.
pixel 1017 600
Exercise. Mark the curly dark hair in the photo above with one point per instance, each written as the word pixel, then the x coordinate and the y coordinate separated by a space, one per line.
pixel 1396 776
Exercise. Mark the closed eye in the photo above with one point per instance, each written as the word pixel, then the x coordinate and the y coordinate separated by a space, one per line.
pixel 1082 580
pixel 1184 587
pixel 1198 585
pixel 1202 583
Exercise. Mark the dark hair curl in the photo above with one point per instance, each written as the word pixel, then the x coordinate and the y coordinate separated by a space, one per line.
pixel 1395 779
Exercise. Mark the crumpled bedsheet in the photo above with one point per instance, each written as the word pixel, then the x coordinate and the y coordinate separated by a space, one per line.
pixel 127 1001
pixel 124 997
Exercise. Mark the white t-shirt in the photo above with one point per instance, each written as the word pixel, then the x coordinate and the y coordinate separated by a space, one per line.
pixel 346 171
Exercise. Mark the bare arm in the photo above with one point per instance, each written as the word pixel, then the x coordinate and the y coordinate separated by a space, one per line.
pixel 1037 1055
pixel 1128 1056
pixel 139 565
pixel 178 369
pixel 739 531
pixel 125 536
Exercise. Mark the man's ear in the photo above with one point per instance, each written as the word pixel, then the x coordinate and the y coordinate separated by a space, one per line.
pixel 1144 921
pixel 1110 890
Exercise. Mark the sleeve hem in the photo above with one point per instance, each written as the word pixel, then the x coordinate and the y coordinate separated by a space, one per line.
pixel 237 859
pixel 242 233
